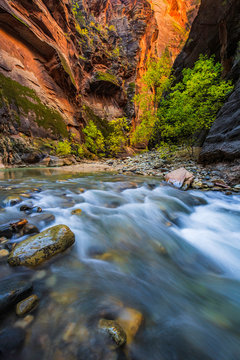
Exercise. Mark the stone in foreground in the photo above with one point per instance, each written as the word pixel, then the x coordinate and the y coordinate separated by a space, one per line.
pixel 114 331
pixel 12 290
pixel 41 247
pixel 179 178
pixel 27 305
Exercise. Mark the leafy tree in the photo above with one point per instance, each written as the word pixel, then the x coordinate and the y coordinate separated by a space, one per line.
pixel 94 140
pixel 117 138
pixel 193 103
pixel 155 81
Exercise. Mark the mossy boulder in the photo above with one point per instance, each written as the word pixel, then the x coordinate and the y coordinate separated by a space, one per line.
pixel 41 247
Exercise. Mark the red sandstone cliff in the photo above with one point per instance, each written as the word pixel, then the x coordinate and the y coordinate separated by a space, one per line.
pixel 54 60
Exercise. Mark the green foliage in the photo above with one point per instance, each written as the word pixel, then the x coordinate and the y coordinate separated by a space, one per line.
pixel 104 137
pixel 106 76
pixel 117 137
pixel 82 32
pixel 116 52
pixel 26 101
pixel 111 28
pixel 94 140
pixel 77 13
pixel 63 148
pixel 155 81
pixel 193 103
pixel 81 151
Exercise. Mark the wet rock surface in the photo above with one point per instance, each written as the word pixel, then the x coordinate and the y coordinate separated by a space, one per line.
pixel 12 290
pixel 113 330
pixel 41 247
pixel 11 340
pixel 27 305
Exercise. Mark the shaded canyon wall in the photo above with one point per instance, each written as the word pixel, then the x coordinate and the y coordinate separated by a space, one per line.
pixel 216 31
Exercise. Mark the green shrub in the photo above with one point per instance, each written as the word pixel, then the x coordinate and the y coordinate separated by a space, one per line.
pixel 63 148
pixel 117 137
pixel 94 140
pixel 193 103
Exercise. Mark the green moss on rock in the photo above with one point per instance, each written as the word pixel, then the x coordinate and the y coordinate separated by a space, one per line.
pixel 27 101
pixel 105 76
pixel 41 247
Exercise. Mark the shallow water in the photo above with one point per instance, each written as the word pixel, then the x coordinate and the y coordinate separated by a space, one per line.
pixel 171 255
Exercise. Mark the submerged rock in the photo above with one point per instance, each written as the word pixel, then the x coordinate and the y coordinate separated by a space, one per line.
pixel 27 305
pixel 114 331
pixel 29 229
pixel 3 253
pixel 25 322
pixel 41 247
pixel 12 200
pixel 76 212
pixel 12 290
pixel 11 339
pixel 130 320
pixel 46 219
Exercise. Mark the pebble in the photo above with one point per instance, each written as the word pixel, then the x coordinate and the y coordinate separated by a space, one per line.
pixel 4 253
pixel 113 330
pixel 25 322
pixel 27 305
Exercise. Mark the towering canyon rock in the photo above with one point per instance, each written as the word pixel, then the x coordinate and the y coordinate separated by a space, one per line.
pixel 216 31
pixel 67 62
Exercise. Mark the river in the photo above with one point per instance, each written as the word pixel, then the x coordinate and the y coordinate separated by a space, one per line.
pixel 172 256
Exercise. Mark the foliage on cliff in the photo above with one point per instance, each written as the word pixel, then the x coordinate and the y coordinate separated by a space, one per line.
pixel 192 104
pixel 176 114
pixel 155 81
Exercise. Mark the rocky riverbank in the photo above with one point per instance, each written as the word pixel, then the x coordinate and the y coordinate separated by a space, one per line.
pixel 218 177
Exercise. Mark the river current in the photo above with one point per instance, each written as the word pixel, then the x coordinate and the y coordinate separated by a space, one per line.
pixel 172 256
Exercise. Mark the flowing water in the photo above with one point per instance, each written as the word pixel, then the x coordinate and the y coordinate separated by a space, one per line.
pixel 172 256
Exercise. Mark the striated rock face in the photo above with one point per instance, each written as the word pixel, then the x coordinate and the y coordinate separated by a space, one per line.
pixel 38 51
pixel 216 30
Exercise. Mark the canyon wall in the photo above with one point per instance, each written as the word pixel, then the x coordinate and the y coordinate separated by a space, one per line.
pixel 216 31
pixel 67 62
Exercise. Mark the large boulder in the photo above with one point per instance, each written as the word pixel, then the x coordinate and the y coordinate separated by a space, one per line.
pixel 41 247
pixel 180 178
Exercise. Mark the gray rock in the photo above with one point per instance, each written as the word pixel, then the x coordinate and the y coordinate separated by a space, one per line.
pixel 45 219
pixel 11 340
pixel 12 290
